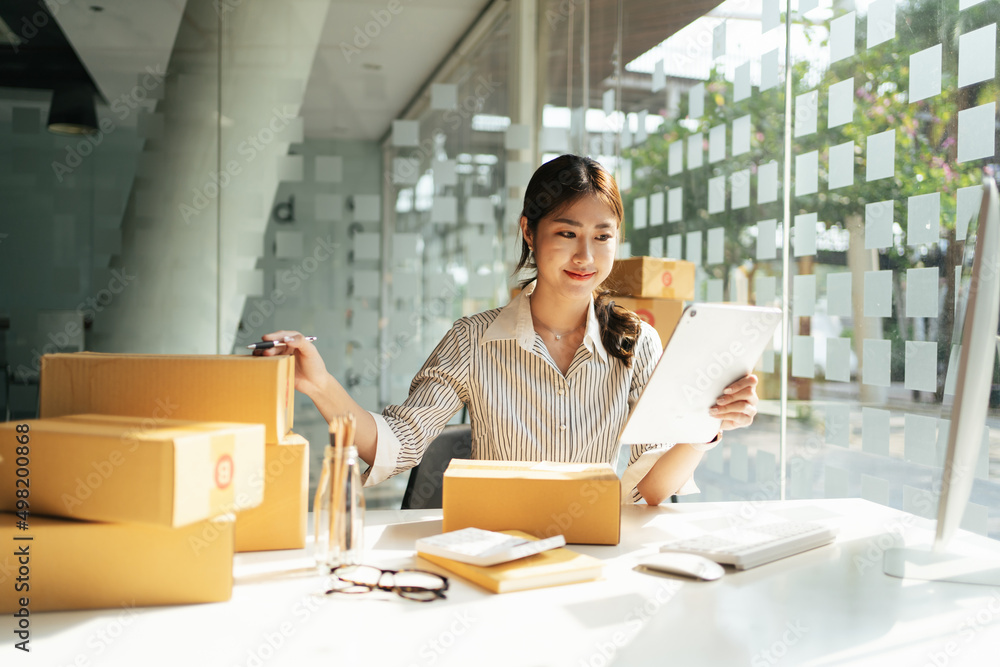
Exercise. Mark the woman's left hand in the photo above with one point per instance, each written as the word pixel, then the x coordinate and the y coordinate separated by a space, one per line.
pixel 738 404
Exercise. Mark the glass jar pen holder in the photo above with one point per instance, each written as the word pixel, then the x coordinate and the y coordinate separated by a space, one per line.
pixel 339 504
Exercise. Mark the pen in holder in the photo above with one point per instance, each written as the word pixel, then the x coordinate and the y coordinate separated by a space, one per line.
pixel 339 505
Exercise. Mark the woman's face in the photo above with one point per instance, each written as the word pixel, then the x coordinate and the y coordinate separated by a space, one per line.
pixel 575 247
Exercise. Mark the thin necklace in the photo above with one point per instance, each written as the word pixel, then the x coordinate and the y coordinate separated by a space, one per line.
pixel 557 335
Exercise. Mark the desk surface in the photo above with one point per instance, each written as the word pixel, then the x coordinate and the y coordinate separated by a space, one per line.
pixel 829 606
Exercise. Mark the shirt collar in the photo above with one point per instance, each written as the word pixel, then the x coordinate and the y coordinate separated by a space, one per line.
pixel 514 323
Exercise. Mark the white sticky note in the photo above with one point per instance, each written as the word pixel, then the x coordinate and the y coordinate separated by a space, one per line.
pixel 696 101
pixel 806 173
pixel 288 244
pixel 518 137
pixel 367 246
pixel 676 158
pixel 444 96
pixel 976 132
pixel 769 70
pixel 765 288
pixel 875 362
pixel 716 246
pixel 741 82
pixel 554 140
pixel 770 15
pixel 922 292
pixel 696 150
pixel 741 135
pixel 608 101
pixel 406 286
pixel 640 133
pixel 951 376
pixel 328 169
pixel 405 246
pixel 766 246
pixel 976 519
pixel 693 248
pixel 804 234
pixel 920 439
pixel 840 109
pixel 518 174
pixel 717 194
pixel 405 133
pixel 881 22
pixel 659 77
pixel 766 363
pixel 921 502
pixel 713 290
pixel 835 482
pixel 405 171
pixel 841 165
pixel 717 144
pixel 444 172
pixel 878 224
pixel 969 200
pixel 291 168
pixel 925 73
pixel 739 466
pixel 479 210
pixel 875 431
pixel 444 209
pixel 767 182
pixel 976 55
pixel 741 189
pixel 625 180
pixel 838 294
pixel 367 208
pixel 656 246
pixel 880 155
pixel 838 359
pixel 965 4
pixel 875 489
pixel 674 243
pixel 921 366
pixel 842 37
pixel 838 424
pixel 675 203
pixel 639 213
pixel 803 364
pixel 923 219
pixel 803 296
pixel 878 293
pixel 656 209
pixel 800 478
pixel 807 5
pixel 329 208
pixel 719 41
pixel 806 106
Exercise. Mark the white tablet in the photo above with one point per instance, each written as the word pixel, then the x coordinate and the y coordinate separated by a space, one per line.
pixel 713 345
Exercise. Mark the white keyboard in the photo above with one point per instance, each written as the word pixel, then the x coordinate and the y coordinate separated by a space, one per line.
pixel 484 547
pixel 752 544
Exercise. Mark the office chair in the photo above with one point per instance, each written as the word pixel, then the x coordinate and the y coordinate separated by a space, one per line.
pixel 423 489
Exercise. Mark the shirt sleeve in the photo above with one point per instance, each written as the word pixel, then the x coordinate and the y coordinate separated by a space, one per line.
pixel 437 392
pixel 642 457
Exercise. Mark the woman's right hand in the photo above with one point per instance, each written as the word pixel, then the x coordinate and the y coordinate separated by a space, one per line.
pixel 310 371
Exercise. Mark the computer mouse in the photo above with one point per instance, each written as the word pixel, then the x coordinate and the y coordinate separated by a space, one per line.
pixel 687 565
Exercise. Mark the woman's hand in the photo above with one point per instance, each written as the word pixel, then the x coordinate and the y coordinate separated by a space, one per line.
pixel 310 371
pixel 738 404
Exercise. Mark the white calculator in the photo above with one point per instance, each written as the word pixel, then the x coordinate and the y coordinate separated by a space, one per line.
pixel 484 547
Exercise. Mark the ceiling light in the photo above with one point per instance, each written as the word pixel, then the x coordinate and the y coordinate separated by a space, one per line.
pixel 72 110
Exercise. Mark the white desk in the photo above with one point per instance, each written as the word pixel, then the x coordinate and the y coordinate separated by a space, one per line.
pixel 830 606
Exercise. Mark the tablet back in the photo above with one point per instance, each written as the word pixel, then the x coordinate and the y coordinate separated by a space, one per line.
pixel 713 345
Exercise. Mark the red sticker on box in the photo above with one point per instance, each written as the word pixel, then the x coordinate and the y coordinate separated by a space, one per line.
pixel 224 471
pixel 667 278
pixel 646 316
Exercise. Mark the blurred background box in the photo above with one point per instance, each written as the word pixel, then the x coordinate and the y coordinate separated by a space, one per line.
pixel 198 387
pixel 662 314
pixel 651 277
pixel 280 521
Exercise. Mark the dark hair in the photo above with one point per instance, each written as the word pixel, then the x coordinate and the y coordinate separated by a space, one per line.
pixel 555 185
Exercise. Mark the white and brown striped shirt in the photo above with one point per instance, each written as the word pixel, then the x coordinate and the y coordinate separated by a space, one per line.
pixel 521 406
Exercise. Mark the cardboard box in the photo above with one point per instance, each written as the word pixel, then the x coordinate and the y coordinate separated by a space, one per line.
pixel 115 469
pixel 662 314
pixel 280 521
pixel 258 390
pixel 83 565
pixel 651 277
pixel 581 501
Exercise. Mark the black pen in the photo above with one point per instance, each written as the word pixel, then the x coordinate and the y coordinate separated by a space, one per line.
pixel 268 344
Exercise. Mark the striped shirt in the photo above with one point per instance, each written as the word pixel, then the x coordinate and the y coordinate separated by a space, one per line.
pixel 521 406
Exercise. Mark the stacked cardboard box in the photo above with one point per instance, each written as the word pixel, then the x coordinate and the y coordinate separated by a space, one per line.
pixel 655 289
pixel 201 387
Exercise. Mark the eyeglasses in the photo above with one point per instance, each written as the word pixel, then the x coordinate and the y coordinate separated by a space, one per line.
pixel 416 585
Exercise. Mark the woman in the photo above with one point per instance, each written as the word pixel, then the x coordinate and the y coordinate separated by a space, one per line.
pixel 552 375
